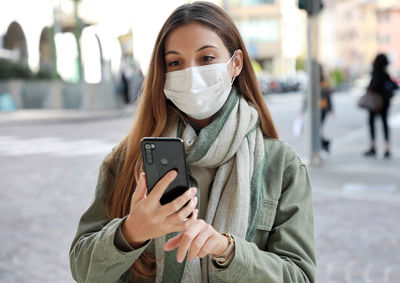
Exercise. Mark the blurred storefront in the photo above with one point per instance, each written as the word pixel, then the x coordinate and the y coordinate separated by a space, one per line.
pixel 388 35
pixel 356 34
pixel 274 32
pixel 65 54
pixel 353 32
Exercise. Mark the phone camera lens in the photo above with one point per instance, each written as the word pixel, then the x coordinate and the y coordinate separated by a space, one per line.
pixel 147 146
pixel 153 146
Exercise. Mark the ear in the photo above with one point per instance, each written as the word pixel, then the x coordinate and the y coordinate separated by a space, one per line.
pixel 237 63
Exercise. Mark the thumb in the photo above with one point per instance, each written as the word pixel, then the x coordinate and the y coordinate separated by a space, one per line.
pixel 140 190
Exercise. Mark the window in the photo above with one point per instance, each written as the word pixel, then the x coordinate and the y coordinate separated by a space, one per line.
pixel 252 2
pixel 259 30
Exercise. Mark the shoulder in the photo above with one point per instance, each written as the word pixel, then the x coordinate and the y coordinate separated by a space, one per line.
pixel 279 151
pixel 284 171
pixel 282 162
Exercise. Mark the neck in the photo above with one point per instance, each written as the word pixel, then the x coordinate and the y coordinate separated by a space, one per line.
pixel 202 123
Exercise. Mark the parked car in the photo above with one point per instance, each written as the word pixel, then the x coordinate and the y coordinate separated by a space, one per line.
pixel 269 84
pixel 289 85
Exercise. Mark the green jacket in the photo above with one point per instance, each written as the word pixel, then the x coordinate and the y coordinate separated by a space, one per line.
pixel 283 246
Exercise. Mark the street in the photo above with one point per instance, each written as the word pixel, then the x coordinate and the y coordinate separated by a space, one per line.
pixel 48 176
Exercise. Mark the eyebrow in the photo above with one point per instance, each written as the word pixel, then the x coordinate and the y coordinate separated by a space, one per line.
pixel 206 46
pixel 201 48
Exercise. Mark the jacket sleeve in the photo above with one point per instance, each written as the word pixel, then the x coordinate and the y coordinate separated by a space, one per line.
pixel 94 256
pixel 289 253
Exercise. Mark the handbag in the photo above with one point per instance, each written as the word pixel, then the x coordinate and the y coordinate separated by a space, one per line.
pixel 371 101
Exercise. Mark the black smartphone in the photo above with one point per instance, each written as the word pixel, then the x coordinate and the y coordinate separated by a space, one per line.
pixel 161 155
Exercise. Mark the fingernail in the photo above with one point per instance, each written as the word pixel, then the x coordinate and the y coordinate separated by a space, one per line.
pixel 193 190
pixel 180 259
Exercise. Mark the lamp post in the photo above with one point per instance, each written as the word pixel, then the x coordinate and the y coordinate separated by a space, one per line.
pixel 77 33
pixel 313 7
pixel 55 28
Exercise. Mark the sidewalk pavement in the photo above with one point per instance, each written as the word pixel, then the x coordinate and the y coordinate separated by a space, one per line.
pixel 357 210
pixel 348 173
pixel 46 116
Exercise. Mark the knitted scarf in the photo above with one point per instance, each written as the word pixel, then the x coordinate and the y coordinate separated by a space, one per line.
pixel 232 143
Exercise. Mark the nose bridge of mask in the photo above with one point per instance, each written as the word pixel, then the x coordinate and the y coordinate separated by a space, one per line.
pixel 199 78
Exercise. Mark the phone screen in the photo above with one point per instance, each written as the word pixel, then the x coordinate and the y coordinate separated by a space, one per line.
pixel 161 155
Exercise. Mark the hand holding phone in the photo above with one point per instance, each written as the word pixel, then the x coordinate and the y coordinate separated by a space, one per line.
pixel 148 219
pixel 165 204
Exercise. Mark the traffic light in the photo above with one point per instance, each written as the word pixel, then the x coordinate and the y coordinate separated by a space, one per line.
pixel 311 6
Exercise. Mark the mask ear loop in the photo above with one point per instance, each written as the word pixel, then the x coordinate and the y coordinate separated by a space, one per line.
pixel 230 59
pixel 227 63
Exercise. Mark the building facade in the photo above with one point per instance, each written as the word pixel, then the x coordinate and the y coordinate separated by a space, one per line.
pixel 388 34
pixel 58 38
pixel 353 32
pixel 273 30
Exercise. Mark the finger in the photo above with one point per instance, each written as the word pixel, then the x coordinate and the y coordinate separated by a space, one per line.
pixel 198 243
pixel 159 189
pixel 187 238
pixel 185 225
pixel 195 214
pixel 140 190
pixel 183 214
pixel 179 202
pixel 173 242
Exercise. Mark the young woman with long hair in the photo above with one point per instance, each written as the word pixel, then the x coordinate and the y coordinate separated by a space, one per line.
pixel 249 213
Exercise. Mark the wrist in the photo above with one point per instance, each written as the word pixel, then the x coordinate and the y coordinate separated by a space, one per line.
pixel 133 241
pixel 226 240
pixel 225 258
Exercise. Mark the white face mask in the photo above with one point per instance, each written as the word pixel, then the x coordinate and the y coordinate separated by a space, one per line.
pixel 199 91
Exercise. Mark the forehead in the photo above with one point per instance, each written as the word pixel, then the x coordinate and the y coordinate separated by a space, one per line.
pixel 191 37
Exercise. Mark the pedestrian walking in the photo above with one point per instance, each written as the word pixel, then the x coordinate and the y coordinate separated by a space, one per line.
pixel 382 85
pixel 326 107
pixel 124 81
pixel 249 216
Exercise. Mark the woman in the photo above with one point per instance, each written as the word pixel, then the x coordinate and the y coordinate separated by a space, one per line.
pixel 325 104
pixel 382 84
pixel 254 218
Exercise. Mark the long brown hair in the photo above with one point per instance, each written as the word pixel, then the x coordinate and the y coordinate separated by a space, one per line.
pixel 153 110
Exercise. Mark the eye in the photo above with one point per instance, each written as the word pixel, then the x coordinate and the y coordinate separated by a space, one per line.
pixel 207 58
pixel 174 63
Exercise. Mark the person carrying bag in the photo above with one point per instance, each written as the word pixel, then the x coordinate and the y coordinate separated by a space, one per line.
pixel 377 101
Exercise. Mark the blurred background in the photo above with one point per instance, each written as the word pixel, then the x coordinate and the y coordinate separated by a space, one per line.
pixel 70 76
